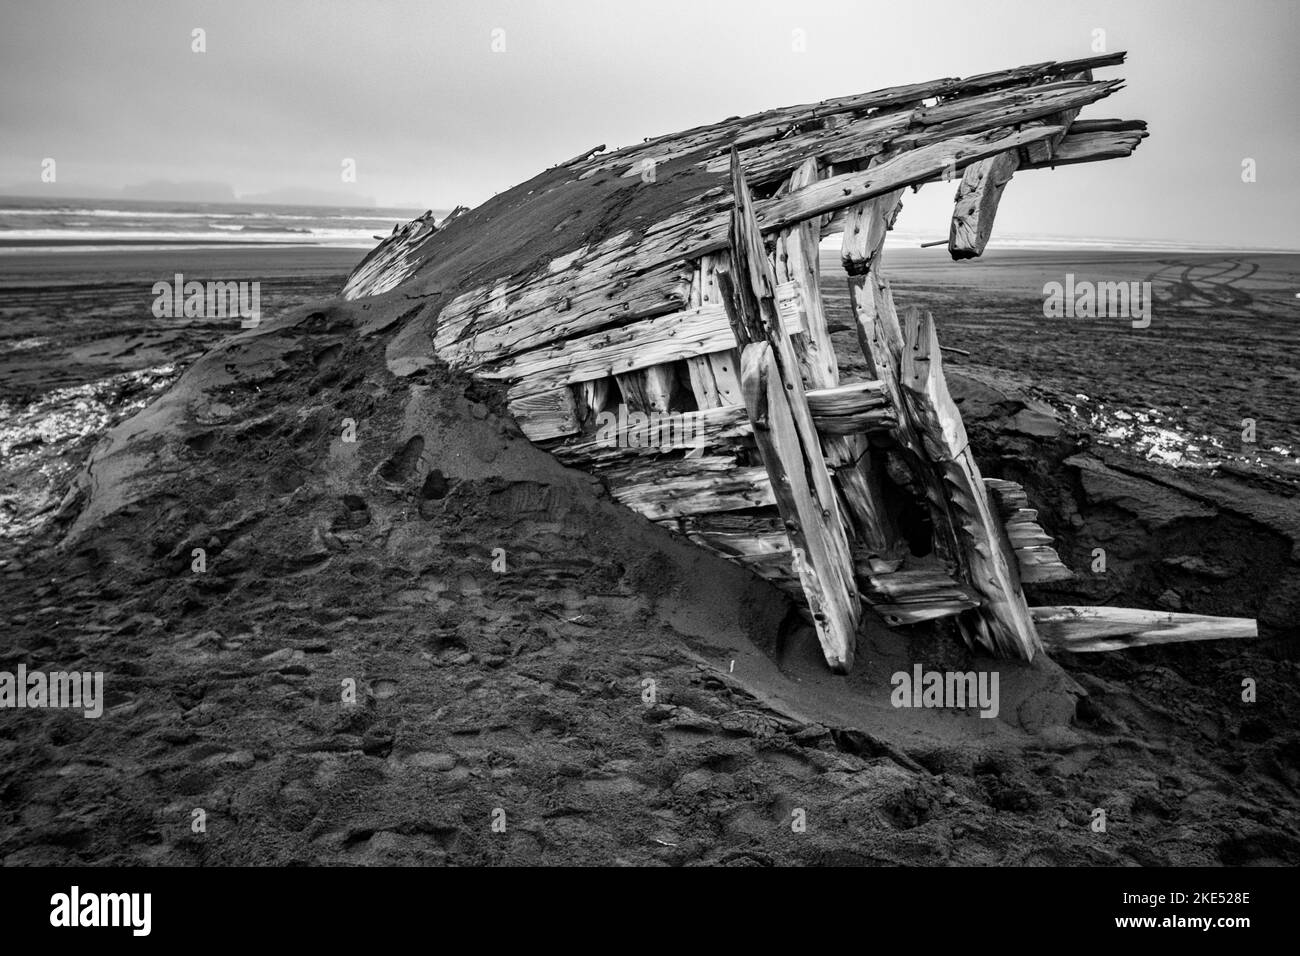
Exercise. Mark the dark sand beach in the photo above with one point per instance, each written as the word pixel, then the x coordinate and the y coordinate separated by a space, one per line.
pixel 81 348
pixel 484 690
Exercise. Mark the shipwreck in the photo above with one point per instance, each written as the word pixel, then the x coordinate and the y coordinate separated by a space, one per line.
pixel 678 281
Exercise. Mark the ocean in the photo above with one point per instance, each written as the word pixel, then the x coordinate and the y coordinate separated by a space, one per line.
pixel 88 225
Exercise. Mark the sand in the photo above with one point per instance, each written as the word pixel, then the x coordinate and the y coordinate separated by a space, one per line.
pixel 616 695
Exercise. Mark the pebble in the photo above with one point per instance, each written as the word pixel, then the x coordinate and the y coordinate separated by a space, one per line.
pixel 243 759
pixel 200 716
pixel 432 761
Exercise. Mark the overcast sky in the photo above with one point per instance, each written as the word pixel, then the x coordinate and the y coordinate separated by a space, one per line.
pixel 433 117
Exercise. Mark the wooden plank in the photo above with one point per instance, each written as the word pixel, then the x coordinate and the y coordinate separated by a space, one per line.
pixel 593 397
pixel 1041 152
pixel 865 226
pixel 714 378
pixel 913 595
pixel 726 372
pixel 569 296
pixel 1086 629
pixel 881 343
pixel 754 318
pixel 494 321
pixel 834 607
pixel 1010 107
pixel 1023 110
pixel 632 347
pixel 779 159
pixel 545 415
pixel 909 168
pixel 654 389
pixel 1037 560
pixel 976 204
pixel 672 489
pixel 797 263
pixel 987 565
pixel 842 431
pixel 1040 564
pixel 622 435
pixel 1091 147
pixel 853 409
pixel 983 183
pixel 703 385
pixel 748 288
pixel 774 544
pixel 573 297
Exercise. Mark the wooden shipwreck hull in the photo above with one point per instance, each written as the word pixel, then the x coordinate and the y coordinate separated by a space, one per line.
pixel 655 317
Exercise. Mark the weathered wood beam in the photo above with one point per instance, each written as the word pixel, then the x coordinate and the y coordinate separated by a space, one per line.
pixel 715 377
pixel 629 348
pixel 915 595
pixel 497 320
pixel 545 415
pixel 909 168
pixel 1023 74
pixel 977 203
pixel 626 435
pixel 817 554
pixel 797 266
pixel 1036 559
pixel 865 226
pixel 1091 147
pixel 740 544
pixel 881 341
pixel 672 489
pixel 851 409
pixel 653 389
pixel 787 437
pixel 844 426
pixel 987 564
pixel 749 289
pixel 1042 151
pixel 1020 110
pixel 1085 629
pixel 593 397
pixel 982 183
pixel 572 297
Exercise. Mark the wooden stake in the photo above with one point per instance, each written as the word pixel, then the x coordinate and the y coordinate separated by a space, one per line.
pixel 1086 629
